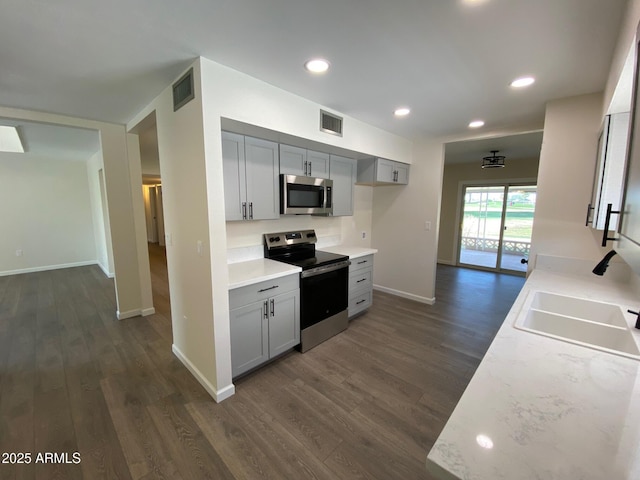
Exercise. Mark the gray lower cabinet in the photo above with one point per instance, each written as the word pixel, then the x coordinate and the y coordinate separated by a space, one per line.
pixel 264 321
pixel 360 284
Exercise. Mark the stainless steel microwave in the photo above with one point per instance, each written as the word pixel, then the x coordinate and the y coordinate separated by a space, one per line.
pixel 300 195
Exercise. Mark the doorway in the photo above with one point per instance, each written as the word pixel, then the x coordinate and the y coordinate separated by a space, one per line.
pixel 495 226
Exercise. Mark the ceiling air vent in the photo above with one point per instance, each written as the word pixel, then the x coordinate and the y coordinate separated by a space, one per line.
pixel 330 123
pixel 183 90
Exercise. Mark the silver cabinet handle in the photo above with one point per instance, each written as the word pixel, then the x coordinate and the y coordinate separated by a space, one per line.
pixel 361 301
pixel 273 307
pixel 266 289
pixel 361 280
pixel 244 210
pixel 310 169
pixel 363 261
pixel 266 309
pixel 305 167
pixel 250 210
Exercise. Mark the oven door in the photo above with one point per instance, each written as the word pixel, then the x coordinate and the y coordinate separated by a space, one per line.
pixel 324 292
pixel 305 195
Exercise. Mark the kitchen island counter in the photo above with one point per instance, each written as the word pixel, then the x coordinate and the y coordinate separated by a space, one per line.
pixel 541 408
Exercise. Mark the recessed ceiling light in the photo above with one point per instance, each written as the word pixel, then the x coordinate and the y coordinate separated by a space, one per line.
pixel 317 65
pixel 401 112
pixel 10 140
pixel 522 82
pixel 476 124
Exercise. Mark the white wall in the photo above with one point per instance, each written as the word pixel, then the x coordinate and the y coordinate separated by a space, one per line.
pixel 406 261
pixel 101 229
pixel 565 178
pixel 45 211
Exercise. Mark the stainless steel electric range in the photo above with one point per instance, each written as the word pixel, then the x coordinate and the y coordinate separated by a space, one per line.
pixel 324 284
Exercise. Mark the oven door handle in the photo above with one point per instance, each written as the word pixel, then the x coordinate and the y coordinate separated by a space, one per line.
pixel 325 269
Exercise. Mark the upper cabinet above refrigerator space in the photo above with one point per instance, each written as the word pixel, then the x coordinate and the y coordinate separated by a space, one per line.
pixel 379 171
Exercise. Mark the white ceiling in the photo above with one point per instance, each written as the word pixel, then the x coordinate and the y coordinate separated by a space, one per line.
pixel 525 146
pixel 55 141
pixel 451 61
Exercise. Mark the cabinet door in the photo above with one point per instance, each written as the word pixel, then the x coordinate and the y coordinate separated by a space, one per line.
pixel 402 173
pixel 284 322
pixel 612 176
pixel 233 166
pixel 293 160
pixel 249 337
pixel 385 170
pixel 318 164
pixel 343 172
pixel 262 166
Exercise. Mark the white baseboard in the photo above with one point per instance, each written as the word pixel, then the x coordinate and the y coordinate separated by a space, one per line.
pixel 217 395
pixel 128 314
pixel 447 262
pixel 138 312
pixel 105 270
pixel 47 267
pixel 410 296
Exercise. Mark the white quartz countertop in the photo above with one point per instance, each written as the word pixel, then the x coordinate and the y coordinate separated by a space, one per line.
pixel 547 409
pixel 246 273
pixel 352 252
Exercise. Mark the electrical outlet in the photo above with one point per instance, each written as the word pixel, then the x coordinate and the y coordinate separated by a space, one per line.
pixel 18 253
pixel 364 234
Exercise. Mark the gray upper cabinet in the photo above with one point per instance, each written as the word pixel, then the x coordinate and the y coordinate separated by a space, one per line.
pixel 300 161
pixel 250 168
pixel 610 169
pixel 343 171
pixel 379 171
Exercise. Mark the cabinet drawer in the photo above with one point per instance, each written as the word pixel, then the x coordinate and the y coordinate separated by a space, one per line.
pixel 360 279
pixel 360 302
pixel 361 262
pixel 263 290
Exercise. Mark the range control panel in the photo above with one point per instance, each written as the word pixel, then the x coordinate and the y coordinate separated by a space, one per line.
pixel 283 239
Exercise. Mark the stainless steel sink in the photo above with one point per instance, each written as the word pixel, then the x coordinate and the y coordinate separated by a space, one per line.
pixel 597 325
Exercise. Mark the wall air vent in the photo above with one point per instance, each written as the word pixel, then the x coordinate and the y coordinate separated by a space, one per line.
pixel 183 91
pixel 330 123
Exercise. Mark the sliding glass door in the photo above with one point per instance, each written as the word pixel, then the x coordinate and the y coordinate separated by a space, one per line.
pixel 495 227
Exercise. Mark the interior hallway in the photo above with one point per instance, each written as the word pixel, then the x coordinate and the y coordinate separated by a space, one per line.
pixel 368 403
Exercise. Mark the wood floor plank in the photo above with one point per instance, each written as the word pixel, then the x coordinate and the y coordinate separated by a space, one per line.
pixel 142 446
pixel 192 454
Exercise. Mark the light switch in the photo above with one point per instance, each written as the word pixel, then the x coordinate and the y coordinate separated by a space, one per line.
pixel 199 247
pixel 427 225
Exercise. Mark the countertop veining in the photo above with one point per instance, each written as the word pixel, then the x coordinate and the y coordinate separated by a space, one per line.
pixel 540 408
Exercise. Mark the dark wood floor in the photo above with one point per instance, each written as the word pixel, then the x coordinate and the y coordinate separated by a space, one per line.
pixel 367 404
